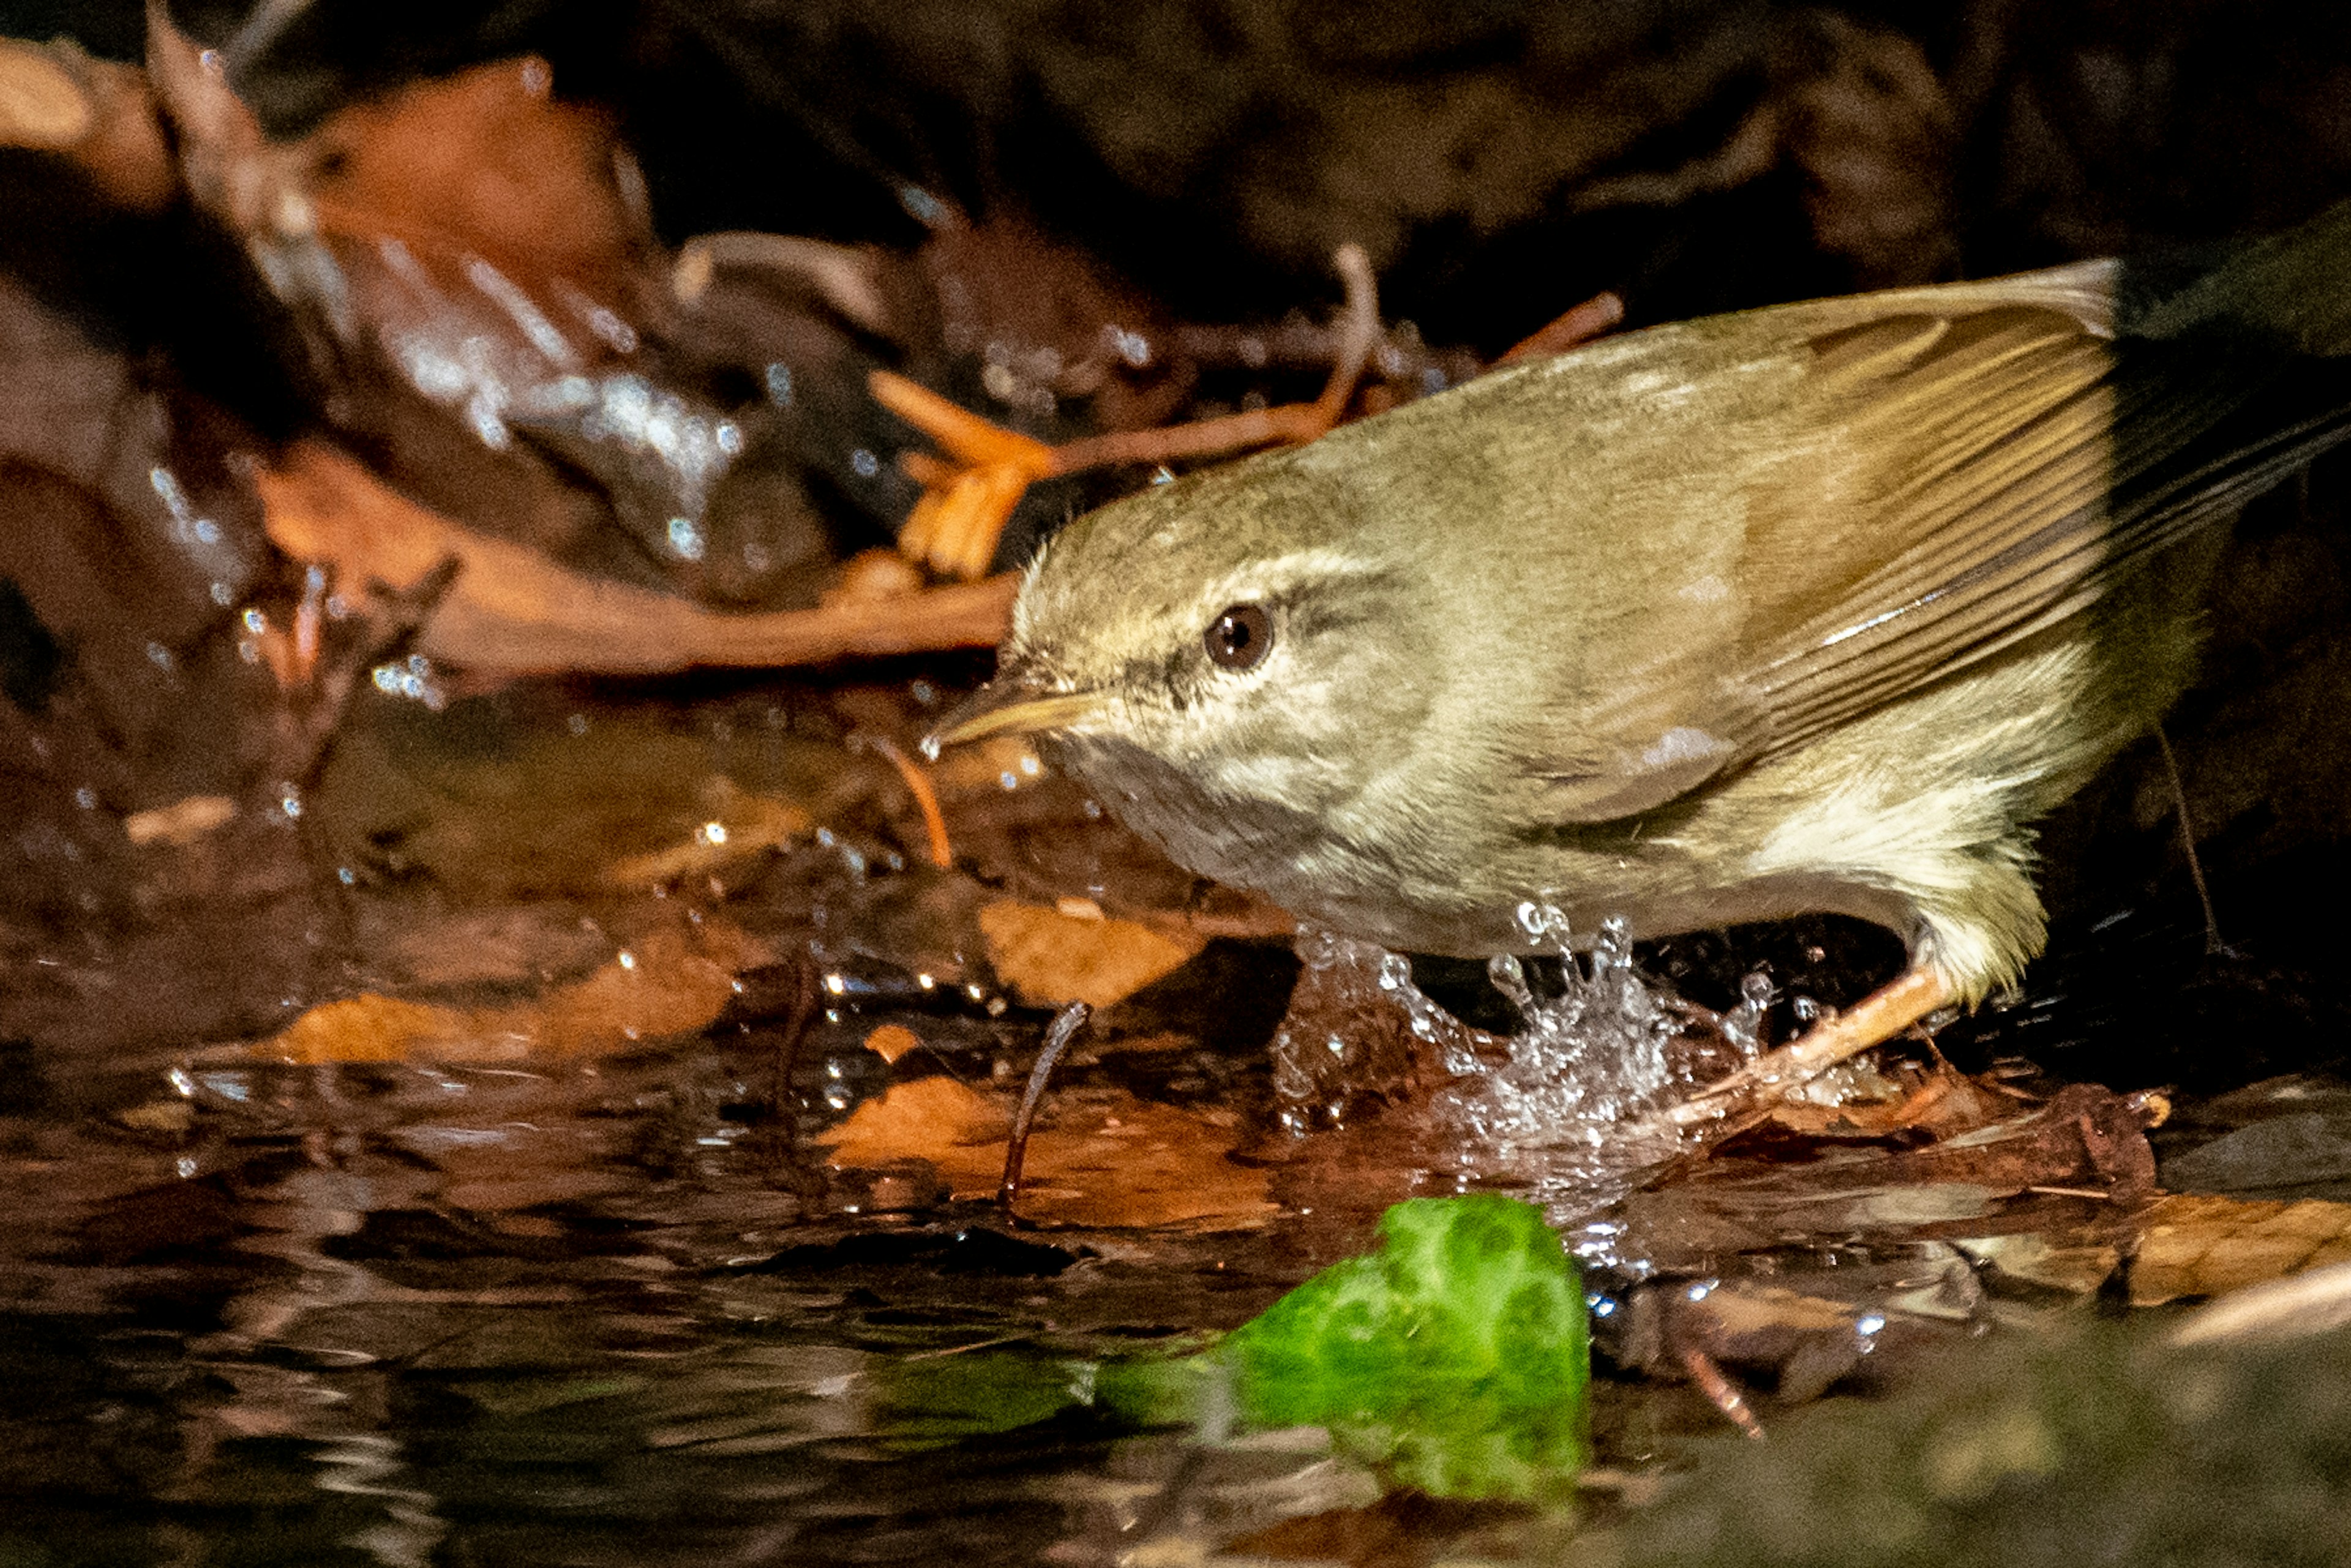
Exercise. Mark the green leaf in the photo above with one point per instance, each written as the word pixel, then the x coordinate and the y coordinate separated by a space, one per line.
pixel 1456 1357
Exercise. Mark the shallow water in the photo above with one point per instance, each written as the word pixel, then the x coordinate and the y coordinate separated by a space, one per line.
pixel 404 1314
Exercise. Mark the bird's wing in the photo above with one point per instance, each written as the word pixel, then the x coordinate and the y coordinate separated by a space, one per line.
pixel 1942 474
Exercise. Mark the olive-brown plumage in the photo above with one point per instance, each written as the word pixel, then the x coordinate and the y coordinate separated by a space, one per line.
pixel 1814 607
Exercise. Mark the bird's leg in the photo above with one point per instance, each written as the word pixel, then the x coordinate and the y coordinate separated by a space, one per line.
pixel 968 496
pixel 1873 1020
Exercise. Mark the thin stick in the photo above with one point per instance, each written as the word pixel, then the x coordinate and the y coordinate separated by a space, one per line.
pixel 2213 946
pixel 1358 331
pixel 1058 1035
pixel 1723 1394
pixel 787 1057
pixel 1588 321
pixel 926 799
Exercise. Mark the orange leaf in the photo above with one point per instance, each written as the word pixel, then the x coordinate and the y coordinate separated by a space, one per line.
pixel 1050 957
pixel 665 983
pixel 1110 1160
pixel 515 612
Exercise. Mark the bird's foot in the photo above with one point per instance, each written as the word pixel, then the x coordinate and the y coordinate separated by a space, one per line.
pixel 1764 1082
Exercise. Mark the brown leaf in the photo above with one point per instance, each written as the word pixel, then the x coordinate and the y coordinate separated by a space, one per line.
pixel 1050 957
pixel 664 983
pixel 515 612
pixel 1109 1159
pixel 2026 1172
pixel 2196 1246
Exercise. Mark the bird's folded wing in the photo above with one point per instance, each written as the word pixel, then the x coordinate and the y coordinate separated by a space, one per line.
pixel 1951 472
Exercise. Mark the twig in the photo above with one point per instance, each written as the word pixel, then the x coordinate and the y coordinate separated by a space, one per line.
pixel 1716 1384
pixel 2213 946
pixel 926 799
pixel 787 1058
pixel 1595 316
pixel 1058 1035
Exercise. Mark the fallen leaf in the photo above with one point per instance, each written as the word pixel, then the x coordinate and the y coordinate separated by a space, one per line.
pixel 2031 1170
pixel 664 983
pixel 2192 1245
pixel 742 825
pixel 2050 1262
pixel 57 98
pixel 513 611
pixel 1107 1160
pixel 892 1040
pixel 1050 957
pixel 928 1118
pixel 181 823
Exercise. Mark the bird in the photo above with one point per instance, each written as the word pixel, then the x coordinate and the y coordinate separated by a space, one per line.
pixel 1811 608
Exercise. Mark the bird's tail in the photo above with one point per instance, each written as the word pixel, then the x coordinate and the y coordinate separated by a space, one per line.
pixel 2292 290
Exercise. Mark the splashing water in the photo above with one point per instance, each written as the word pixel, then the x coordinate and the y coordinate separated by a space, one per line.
pixel 1560 1103
pixel 1582 1059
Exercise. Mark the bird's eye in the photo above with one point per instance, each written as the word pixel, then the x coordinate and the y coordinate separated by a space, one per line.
pixel 1240 638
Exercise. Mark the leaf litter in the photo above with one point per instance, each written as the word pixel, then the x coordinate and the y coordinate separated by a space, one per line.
pixel 570 908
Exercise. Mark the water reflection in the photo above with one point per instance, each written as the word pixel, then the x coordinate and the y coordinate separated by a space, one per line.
pixel 400 1315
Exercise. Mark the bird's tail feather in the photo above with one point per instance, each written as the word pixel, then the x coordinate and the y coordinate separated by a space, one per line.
pixel 2292 290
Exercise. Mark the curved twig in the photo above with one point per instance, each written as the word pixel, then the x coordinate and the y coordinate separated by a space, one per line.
pixel 1058 1035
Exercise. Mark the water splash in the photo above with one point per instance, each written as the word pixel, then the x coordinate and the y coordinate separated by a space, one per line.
pixel 1591 1056
pixel 1559 1106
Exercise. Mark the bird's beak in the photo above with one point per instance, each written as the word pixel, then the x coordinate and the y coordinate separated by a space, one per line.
pixel 1019 702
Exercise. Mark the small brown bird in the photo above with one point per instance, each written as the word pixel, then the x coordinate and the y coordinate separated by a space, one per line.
pixel 1812 608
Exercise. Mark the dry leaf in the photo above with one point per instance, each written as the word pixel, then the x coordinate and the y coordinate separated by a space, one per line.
pixel 665 983
pixel 892 1040
pixel 2051 1261
pixel 1109 1159
pixel 57 98
pixel 742 825
pixel 2028 1171
pixel 514 611
pixel 928 1118
pixel 1050 957
pixel 2200 1246
pixel 181 823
